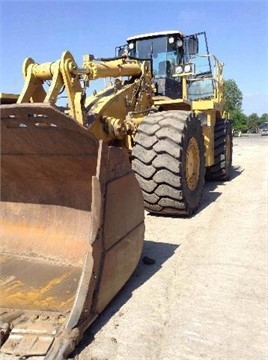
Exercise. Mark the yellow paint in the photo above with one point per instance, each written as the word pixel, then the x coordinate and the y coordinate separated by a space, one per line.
pixel 20 295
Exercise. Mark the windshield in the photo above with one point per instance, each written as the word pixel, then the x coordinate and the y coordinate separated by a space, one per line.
pixel 165 55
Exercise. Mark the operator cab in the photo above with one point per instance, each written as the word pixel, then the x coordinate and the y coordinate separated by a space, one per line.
pixel 165 49
pixel 171 52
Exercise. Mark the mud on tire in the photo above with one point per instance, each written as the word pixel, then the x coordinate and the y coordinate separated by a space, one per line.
pixel 168 159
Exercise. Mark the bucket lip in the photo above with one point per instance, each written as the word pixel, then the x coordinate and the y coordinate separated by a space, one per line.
pixel 37 112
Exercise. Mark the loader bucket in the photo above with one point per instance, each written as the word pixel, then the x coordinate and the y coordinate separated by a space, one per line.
pixel 71 229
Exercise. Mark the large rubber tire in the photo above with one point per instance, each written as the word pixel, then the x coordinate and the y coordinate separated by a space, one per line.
pixel 223 152
pixel 169 162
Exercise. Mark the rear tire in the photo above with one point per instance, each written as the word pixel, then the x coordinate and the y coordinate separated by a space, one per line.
pixel 223 152
pixel 168 159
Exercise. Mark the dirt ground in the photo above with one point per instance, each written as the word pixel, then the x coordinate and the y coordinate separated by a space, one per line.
pixel 206 295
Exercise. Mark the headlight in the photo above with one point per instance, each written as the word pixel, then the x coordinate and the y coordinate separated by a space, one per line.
pixel 187 68
pixel 179 69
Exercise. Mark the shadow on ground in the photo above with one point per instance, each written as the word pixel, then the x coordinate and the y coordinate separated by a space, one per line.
pixel 159 252
pixel 211 188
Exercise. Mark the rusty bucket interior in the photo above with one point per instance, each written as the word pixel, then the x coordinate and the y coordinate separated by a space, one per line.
pixel 45 207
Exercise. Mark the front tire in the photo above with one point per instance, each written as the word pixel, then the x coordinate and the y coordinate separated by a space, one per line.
pixel 168 159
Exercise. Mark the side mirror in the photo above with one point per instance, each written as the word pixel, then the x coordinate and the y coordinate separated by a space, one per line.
pixel 192 45
pixel 121 50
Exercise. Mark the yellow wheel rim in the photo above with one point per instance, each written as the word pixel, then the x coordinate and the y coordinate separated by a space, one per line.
pixel 192 163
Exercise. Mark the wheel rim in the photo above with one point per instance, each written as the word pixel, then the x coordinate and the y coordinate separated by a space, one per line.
pixel 192 163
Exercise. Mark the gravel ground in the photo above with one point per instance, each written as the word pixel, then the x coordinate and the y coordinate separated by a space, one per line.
pixel 206 295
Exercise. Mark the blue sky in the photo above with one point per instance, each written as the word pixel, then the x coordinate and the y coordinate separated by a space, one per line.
pixel 236 30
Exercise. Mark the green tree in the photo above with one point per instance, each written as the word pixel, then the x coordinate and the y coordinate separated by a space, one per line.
pixel 233 96
pixel 263 119
pixel 253 122
pixel 239 121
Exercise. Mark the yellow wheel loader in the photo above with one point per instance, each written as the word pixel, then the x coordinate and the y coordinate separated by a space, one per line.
pixel 187 137
pixel 75 179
